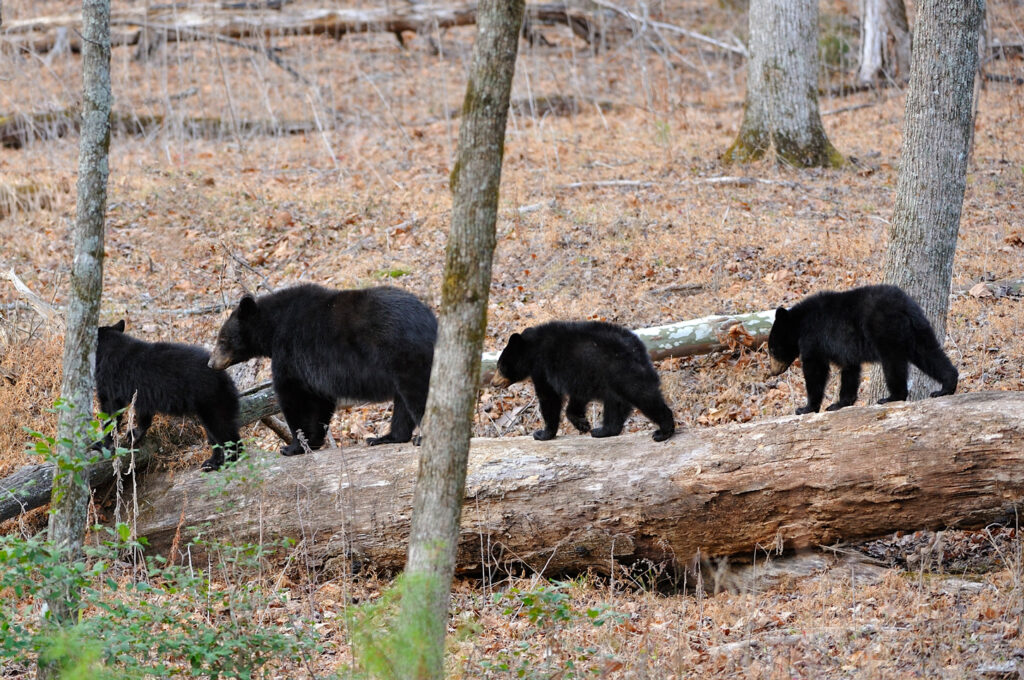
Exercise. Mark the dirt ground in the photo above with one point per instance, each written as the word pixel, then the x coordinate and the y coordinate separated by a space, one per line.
pixel 605 214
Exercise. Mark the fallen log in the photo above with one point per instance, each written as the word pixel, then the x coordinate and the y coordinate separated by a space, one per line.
pixel 201 21
pixel 577 503
pixel 18 130
pixel 29 486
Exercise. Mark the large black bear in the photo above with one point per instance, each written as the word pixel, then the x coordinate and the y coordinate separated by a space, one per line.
pixel 870 324
pixel 169 378
pixel 375 344
pixel 586 360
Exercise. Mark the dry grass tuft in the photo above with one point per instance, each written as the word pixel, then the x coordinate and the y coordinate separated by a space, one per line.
pixel 29 385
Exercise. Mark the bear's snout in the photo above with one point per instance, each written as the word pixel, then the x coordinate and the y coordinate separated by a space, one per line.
pixel 777 367
pixel 499 380
pixel 218 360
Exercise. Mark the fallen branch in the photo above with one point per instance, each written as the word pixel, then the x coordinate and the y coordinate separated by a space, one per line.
pixel 51 315
pixel 202 21
pixel 18 130
pixel 576 503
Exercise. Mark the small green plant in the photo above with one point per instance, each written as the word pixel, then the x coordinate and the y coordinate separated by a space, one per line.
pixel 387 645
pixel 663 133
pixel 155 619
pixel 140 617
pixel 72 455
pixel 393 273
pixel 544 652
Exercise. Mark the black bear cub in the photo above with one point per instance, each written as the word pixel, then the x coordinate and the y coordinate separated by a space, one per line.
pixel 870 324
pixel 375 344
pixel 167 378
pixel 587 361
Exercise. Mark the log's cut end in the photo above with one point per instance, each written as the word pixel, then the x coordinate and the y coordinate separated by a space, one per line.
pixel 577 503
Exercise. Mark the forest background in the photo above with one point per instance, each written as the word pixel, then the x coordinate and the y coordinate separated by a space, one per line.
pixel 256 178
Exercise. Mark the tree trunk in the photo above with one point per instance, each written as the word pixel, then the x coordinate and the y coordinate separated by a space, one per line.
pixel 882 21
pixel 577 503
pixel 933 164
pixel 71 491
pixel 455 377
pixel 781 108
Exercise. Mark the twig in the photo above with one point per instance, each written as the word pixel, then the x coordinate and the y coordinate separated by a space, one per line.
pixel 50 314
pixel 192 33
pixel 844 109
pixel 671 28
pixel 637 184
pixel 240 260
pixel 278 427
pixel 715 181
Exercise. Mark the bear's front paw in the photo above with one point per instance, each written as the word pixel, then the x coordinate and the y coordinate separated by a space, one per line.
pixel 805 409
pixel 543 435
pixel 891 397
pixel 941 393
pixel 212 463
pixel 293 449
pixel 838 405
pixel 662 435
pixel 604 432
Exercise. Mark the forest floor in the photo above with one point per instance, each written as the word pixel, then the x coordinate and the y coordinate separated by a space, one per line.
pixel 605 213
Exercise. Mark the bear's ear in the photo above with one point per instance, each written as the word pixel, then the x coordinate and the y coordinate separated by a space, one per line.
pixel 247 308
pixel 514 340
pixel 119 326
pixel 781 313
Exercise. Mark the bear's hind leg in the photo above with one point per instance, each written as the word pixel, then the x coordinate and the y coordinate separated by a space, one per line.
pixel 576 414
pixel 849 383
pixel 221 427
pixel 934 363
pixel 142 423
pixel 615 412
pixel 895 370
pixel 402 425
pixel 647 398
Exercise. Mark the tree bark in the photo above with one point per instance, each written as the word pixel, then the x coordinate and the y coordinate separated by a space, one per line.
pixel 882 20
pixel 71 491
pixel 577 503
pixel 781 108
pixel 455 377
pixel 933 164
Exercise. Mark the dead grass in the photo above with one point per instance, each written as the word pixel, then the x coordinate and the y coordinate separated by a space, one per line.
pixel 195 222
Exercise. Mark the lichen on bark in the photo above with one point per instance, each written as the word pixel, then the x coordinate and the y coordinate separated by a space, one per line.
pixel 781 106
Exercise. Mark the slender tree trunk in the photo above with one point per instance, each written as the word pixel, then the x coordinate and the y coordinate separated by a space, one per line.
pixel 70 498
pixel 781 108
pixel 933 163
pixel 455 376
pixel 882 20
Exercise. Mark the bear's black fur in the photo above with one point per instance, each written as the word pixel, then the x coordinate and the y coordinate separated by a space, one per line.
pixel 375 344
pixel 587 361
pixel 870 324
pixel 168 378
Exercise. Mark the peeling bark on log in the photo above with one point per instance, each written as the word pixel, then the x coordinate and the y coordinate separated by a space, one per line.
pixel 578 503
